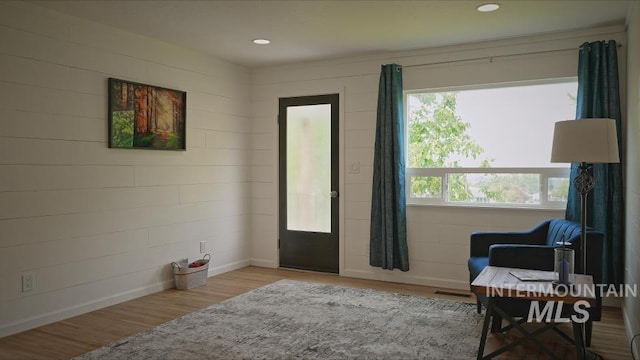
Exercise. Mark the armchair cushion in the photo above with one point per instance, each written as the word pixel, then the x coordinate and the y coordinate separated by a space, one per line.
pixel 476 264
pixel 539 257
pixel 480 241
pixel 558 228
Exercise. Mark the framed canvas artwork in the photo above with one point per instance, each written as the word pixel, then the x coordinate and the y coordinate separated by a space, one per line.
pixel 146 117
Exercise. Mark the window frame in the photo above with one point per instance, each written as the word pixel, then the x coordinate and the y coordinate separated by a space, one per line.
pixel 443 173
pixel 544 173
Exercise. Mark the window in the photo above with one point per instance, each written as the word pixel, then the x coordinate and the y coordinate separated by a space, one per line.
pixel 488 146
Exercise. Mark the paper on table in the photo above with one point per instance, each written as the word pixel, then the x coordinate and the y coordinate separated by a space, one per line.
pixel 533 275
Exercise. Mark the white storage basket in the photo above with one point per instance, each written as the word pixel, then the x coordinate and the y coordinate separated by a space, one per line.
pixel 187 277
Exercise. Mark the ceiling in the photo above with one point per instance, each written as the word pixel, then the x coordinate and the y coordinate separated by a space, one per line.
pixel 307 30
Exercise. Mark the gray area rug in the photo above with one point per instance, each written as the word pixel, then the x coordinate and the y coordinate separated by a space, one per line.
pixel 299 320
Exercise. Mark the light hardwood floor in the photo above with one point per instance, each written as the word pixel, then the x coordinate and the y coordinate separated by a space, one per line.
pixel 74 336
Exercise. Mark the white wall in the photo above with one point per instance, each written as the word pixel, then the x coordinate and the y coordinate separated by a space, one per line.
pixel 631 306
pixel 438 236
pixel 96 225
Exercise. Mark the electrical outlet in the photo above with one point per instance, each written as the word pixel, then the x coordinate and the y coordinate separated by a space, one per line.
pixel 203 247
pixel 27 282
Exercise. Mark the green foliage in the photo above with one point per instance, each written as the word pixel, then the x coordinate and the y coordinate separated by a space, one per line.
pixel 426 186
pixel 558 189
pixel 122 128
pixel 511 188
pixel 175 141
pixel 459 189
pixel 144 141
pixel 438 138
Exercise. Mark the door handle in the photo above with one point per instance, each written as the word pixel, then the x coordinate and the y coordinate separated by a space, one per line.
pixel 333 194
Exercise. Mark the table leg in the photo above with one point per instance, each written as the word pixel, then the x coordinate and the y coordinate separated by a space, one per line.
pixel 577 338
pixel 485 327
pixel 526 335
pixel 581 349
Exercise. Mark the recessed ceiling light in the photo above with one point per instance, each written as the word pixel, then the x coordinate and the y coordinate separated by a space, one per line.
pixel 488 7
pixel 261 41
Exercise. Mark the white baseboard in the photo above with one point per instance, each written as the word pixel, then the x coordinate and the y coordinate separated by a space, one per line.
pixel 264 263
pixel 391 277
pixel 229 267
pixel 407 279
pixel 79 309
pixel 628 326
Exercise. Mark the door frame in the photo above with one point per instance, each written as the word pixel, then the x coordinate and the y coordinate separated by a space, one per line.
pixel 341 173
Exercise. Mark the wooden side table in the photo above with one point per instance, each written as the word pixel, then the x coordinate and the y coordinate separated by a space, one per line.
pixel 500 282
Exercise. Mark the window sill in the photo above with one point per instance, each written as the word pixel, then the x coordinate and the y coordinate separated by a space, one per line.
pixel 490 207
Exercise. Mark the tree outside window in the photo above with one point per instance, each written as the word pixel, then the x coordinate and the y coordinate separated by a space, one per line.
pixel 440 136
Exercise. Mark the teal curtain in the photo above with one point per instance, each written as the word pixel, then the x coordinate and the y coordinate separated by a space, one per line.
pixel 388 235
pixel 599 97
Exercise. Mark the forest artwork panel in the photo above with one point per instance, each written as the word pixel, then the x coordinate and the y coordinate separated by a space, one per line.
pixel 146 117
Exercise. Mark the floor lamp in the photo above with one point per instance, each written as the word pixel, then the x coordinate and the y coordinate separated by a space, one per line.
pixel 585 141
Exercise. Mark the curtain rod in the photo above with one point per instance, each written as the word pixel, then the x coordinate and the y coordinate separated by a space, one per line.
pixel 490 58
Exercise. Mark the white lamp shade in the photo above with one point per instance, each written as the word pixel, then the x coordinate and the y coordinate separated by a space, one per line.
pixel 585 140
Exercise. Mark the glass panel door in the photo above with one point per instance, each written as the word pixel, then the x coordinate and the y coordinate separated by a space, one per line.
pixel 309 182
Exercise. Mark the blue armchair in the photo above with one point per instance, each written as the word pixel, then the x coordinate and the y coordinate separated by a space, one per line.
pixel 533 249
